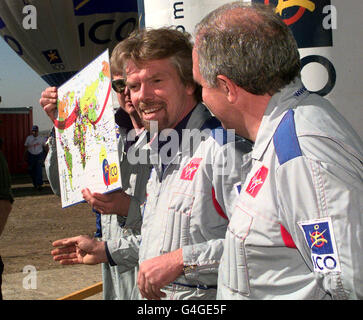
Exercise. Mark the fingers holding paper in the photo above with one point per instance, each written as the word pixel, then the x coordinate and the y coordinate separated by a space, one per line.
pixel 48 101
pixel 116 202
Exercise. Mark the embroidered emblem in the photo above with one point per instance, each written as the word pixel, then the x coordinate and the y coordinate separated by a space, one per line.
pixel 320 239
pixel 190 170
pixel 257 181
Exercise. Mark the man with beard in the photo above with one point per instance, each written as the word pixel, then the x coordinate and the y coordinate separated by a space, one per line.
pixel 191 186
pixel 195 174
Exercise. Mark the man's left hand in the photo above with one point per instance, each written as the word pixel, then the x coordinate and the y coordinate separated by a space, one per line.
pixel 157 272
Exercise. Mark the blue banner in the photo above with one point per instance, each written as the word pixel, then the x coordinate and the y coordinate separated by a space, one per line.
pixel 305 18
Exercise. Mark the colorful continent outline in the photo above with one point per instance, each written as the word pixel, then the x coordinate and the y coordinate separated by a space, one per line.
pixel 62 125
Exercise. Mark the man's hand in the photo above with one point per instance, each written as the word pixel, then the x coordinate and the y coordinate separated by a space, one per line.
pixel 157 272
pixel 48 101
pixel 117 202
pixel 79 250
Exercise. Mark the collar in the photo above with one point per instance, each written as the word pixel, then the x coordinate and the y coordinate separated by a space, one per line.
pixel 194 120
pixel 280 102
pixel 132 138
pixel 123 120
pixel 179 130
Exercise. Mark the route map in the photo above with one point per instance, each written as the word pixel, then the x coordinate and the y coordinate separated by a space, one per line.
pixel 86 134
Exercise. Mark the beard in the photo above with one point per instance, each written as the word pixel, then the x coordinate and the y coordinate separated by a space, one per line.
pixel 145 124
pixel 144 106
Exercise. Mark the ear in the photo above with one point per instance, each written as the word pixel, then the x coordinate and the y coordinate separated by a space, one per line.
pixel 229 87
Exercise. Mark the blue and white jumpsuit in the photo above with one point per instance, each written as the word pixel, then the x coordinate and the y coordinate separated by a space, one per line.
pixel 296 230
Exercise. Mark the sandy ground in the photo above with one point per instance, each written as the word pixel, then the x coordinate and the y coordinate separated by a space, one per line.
pixel 36 220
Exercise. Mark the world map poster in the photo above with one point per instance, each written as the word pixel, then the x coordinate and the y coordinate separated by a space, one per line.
pixel 86 134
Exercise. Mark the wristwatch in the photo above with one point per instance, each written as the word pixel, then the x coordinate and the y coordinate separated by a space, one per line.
pixel 189 269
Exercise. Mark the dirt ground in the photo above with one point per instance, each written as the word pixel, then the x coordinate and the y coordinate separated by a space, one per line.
pixel 36 220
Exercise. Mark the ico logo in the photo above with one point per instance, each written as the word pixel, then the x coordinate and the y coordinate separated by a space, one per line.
pixel 319 236
pixel 122 31
pixel 110 172
pixel 324 263
pixel 93 30
pixel 99 31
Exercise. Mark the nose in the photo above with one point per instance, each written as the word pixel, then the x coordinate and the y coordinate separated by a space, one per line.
pixel 145 93
pixel 126 91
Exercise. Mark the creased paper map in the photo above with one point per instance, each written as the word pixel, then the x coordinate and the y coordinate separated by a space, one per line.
pixel 86 134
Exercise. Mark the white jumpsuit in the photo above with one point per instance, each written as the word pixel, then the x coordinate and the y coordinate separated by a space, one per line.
pixel 187 199
pixel 296 230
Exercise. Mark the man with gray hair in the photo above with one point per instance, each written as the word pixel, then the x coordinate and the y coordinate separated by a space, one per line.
pixel 296 229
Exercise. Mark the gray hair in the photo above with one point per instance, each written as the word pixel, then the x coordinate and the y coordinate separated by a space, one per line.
pixel 250 45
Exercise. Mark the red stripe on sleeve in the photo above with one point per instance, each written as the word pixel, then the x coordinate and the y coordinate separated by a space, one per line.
pixel 217 206
pixel 286 237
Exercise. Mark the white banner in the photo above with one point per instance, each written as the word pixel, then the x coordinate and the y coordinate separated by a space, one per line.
pixel 328 33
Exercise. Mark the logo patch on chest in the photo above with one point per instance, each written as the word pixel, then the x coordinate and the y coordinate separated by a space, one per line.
pixel 190 170
pixel 257 181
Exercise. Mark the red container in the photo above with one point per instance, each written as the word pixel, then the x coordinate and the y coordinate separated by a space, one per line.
pixel 15 126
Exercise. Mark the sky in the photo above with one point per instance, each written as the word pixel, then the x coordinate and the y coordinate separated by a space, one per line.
pixel 20 85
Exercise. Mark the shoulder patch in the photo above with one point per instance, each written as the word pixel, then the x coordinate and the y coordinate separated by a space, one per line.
pixel 285 139
pixel 319 236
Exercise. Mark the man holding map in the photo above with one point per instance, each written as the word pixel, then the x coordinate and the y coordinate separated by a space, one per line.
pixel 119 279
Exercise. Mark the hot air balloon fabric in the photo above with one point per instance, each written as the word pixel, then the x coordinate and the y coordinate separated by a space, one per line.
pixel 59 38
